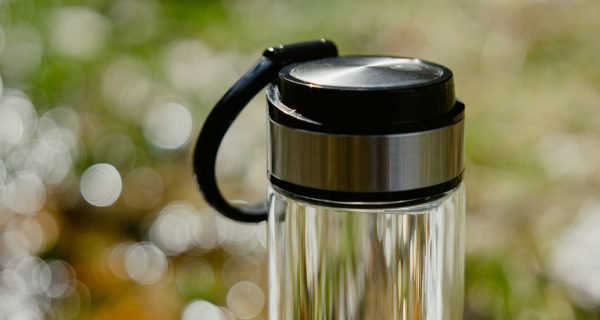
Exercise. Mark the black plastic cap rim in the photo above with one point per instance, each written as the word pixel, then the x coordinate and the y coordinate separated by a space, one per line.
pixel 368 108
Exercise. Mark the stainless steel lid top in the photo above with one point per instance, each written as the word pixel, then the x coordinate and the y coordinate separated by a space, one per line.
pixel 367 72
pixel 365 128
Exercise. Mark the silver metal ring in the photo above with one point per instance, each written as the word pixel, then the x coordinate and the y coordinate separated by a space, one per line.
pixel 365 163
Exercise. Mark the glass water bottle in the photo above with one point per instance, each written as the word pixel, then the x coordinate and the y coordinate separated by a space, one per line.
pixel 366 207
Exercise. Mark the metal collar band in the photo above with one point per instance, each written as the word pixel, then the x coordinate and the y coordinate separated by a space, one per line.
pixel 365 163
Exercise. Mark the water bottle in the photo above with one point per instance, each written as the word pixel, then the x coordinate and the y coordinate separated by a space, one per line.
pixel 365 205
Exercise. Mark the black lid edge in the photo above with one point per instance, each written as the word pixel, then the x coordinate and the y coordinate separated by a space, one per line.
pixel 282 115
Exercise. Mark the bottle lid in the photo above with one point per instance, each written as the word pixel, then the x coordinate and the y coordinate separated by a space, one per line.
pixel 365 129
pixel 366 94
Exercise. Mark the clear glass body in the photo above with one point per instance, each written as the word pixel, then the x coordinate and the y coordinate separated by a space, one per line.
pixel 405 262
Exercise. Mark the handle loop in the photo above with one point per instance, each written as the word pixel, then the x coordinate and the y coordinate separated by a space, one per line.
pixel 227 109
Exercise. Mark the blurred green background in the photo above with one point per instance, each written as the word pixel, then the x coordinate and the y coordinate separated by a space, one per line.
pixel 101 102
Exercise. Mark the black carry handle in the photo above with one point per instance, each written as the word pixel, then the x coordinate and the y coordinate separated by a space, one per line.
pixel 227 109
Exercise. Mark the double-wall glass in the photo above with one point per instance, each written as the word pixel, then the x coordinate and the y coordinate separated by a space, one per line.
pixel 400 262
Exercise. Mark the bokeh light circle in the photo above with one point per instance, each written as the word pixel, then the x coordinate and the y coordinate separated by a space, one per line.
pixel 168 126
pixel 177 228
pixel 145 263
pixel 18 118
pixel 202 310
pixel 101 185
pixel 246 299
pixel 25 194
pixel 78 32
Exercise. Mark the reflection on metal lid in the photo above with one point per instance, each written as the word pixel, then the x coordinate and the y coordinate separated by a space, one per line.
pixel 367 72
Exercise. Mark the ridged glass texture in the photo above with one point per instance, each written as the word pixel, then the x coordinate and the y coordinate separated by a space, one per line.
pixel 404 263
